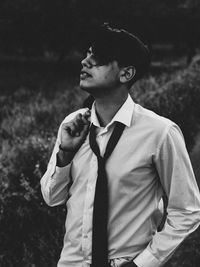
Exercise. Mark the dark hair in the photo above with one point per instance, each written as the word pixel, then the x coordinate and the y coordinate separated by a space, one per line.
pixel 110 44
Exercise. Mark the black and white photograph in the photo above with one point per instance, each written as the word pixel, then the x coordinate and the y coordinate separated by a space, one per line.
pixel 99 133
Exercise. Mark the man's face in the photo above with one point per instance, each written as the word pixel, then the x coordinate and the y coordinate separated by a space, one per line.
pixel 96 77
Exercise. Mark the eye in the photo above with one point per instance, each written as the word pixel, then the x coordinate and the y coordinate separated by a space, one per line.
pixel 92 57
pixel 93 60
pixel 88 53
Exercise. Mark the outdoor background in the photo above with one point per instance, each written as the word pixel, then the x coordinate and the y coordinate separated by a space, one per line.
pixel 41 45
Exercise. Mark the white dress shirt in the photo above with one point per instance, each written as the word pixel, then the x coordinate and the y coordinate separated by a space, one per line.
pixel 149 158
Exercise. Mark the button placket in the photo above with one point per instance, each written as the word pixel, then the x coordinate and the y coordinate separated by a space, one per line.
pixel 87 211
pixel 94 161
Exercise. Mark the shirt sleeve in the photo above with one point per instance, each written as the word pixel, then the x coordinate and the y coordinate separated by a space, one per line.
pixel 183 212
pixel 54 183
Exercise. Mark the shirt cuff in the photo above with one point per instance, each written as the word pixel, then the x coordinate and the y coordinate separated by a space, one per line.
pixel 146 259
pixel 61 173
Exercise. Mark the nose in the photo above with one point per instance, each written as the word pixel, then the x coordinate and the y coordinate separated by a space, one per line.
pixel 86 62
pixel 89 61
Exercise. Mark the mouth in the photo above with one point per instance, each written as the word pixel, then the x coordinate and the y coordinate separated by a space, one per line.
pixel 84 75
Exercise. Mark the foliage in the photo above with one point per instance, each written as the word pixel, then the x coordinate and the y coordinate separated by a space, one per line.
pixel 178 99
pixel 44 27
pixel 26 222
pixel 31 233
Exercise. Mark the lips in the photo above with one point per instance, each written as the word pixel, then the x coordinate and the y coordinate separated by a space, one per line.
pixel 85 74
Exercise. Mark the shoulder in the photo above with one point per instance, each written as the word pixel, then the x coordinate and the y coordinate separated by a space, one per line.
pixel 72 115
pixel 155 126
pixel 151 119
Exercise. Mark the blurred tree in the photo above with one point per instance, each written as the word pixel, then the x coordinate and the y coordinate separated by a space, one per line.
pixel 58 26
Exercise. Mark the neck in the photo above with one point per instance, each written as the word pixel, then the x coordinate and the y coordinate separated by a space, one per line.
pixel 108 105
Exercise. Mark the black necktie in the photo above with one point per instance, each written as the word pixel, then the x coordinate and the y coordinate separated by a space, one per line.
pixel 100 208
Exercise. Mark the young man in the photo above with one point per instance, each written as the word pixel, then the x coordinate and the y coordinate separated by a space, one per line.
pixel 119 159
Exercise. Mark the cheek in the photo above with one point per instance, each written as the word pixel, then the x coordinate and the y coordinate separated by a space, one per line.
pixel 108 76
pixel 111 77
pixel 102 77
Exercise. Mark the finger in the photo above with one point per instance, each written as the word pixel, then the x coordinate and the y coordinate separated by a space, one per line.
pixel 74 126
pixel 71 128
pixel 78 120
pixel 85 130
pixel 66 127
pixel 79 123
pixel 87 114
pixel 84 120
pixel 78 116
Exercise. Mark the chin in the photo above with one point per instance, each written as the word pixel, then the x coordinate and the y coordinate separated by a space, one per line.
pixel 87 88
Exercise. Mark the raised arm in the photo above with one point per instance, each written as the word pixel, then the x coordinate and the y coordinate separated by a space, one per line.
pixel 71 135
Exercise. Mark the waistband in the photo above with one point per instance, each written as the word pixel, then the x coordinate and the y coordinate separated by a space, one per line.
pixel 109 265
pixel 119 262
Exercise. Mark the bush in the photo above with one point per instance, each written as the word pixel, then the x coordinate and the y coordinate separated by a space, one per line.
pixel 32 232
pixel 177 100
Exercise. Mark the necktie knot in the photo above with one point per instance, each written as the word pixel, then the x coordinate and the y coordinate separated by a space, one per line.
pixel 116 134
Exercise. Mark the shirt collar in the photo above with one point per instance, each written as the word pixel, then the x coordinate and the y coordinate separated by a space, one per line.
pixel 123 115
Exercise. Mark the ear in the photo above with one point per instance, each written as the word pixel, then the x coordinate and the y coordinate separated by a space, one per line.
pixel 127 74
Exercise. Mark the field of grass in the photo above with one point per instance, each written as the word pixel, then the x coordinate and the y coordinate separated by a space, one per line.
pixel 34 98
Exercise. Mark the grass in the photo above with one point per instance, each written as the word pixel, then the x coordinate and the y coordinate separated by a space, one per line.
pixel 32 105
